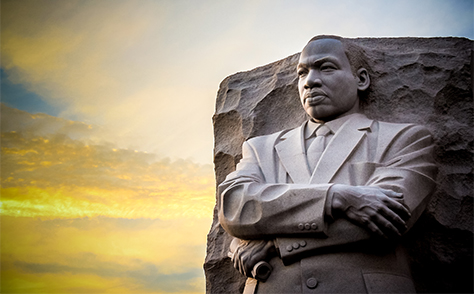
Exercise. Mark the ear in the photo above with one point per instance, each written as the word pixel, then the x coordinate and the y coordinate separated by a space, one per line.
pixel 363 79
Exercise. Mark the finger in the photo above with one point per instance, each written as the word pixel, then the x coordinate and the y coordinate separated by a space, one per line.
pixel 235 260
pixel 393 217
pixel 398 208
pixel 245 263
pixel 391 193
pixel 385 225
pixel 258 253
pixel 374 215
pixel 365 222
pixel 238 261
pixel 375 229
pixel 270 250
pixel 237 265
pixel 386 219
pixel 234 257
pixel 374 222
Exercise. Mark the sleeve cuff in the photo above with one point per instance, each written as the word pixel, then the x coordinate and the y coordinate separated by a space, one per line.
pixel 328 204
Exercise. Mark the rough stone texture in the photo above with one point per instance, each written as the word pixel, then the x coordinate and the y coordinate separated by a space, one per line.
pixel 421 80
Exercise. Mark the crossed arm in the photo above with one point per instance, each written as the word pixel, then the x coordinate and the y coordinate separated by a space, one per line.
pixel 386 206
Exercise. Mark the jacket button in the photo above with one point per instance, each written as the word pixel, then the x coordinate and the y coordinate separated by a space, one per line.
pixel 296 245
pixel 301 226
pixel 303 243
pixel 289 248
pixel 307 226
pixel 311 283
pixel 314 226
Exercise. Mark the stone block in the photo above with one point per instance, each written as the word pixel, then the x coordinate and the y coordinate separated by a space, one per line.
pixel 426 81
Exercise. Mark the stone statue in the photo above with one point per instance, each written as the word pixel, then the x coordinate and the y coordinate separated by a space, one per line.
pixel 321 208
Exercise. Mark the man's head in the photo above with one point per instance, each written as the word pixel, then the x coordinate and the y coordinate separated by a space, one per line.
pixel 331 74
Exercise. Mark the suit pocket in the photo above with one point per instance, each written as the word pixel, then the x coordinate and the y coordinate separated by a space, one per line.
pixel 360 172
pixel 388 283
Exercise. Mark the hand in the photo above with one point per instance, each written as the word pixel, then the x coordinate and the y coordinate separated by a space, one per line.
pixel 246 254
pixel 379 210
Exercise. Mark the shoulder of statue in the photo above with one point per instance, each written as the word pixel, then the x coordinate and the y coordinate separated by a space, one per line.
pixel 409 129
pixel 398 126
pixel 280 135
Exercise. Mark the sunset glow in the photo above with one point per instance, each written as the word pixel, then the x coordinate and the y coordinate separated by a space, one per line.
pixel 79 217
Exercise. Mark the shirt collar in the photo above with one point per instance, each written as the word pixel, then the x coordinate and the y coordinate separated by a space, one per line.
pixel 333 125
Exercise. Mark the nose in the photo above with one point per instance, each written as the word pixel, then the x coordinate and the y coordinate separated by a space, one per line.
pixel 313 80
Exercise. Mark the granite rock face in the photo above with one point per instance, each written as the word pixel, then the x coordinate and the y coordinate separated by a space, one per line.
pixel 426 81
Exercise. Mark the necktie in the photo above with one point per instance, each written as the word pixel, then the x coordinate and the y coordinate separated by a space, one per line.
pixel 317 146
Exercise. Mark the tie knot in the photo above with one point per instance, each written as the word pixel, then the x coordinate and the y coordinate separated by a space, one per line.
pixel 323 130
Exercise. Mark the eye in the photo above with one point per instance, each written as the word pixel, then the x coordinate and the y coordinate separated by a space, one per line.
pixel 302 72
pixel 328 66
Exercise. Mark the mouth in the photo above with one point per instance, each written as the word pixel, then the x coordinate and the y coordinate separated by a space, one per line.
pixel 314 98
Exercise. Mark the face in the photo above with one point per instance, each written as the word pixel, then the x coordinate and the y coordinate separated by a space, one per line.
pixel 327 86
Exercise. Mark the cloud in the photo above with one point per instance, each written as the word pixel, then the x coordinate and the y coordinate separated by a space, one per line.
pixel 147 275
pixel 149 70
pixel 172 245
pixel 108 63
pixel 140 255
pixel 121 219
pixel 81 215
pixel 53 167
pixel 40 124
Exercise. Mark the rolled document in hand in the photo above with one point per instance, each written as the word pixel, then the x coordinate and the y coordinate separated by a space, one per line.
pixel 261 271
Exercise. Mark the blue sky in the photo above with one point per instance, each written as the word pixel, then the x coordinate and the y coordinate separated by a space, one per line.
pixel 17 96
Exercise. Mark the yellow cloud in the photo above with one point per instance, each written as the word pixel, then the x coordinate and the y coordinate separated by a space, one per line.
pixel 80 215
pixel 15 282
pixel 83 202
pixel 138 255
pixel 53 175
pixel 107 240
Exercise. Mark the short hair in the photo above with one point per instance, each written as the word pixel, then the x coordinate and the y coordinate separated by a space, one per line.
pixel 355 54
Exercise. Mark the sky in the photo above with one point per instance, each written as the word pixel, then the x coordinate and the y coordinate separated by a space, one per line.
pixel 107 181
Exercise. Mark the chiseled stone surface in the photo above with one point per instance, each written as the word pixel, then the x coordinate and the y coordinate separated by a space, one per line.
pixel 421 80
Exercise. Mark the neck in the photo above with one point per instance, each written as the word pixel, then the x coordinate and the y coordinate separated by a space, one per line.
pixel 326 119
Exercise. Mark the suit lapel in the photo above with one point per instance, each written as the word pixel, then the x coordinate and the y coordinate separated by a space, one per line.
pixel 292 155
pixel 340 148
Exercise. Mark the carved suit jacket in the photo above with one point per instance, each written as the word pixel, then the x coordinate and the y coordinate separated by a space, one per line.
pixel 273 195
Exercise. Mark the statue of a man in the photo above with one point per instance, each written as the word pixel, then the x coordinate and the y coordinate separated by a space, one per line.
pixel 325 204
